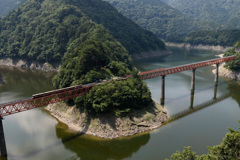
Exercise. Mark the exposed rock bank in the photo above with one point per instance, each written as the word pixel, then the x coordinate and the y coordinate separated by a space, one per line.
pixel 149 54
pixel 226 72
pixel 202 47
pixel 109 126
pixel 32 65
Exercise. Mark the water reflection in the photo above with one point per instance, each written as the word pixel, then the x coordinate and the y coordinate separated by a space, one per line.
pixel 88 147
pixel 25 82
pixel 196 108
pixel 234 88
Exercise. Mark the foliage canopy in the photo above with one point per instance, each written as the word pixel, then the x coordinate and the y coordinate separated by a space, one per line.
pixel 44 30
pixel 118 97
pixel 229 149
pixel 165 21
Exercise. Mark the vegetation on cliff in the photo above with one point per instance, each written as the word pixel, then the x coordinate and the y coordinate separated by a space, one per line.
pixel 100 57
pixel 45 30
pixel 220 37
pixel 199 25
pixel 163 20
pixel 223 12
pixel 234 65
pixel 228 149
pixel 132 37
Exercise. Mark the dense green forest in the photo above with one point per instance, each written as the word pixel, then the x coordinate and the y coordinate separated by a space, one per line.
pixel 91 40
pixel 220 37
pixel 116 97
pixel 179 26
pixel 163 20
pixel 8 5
pixel 44 30
pixel 133 38
pixel 223 12
pixel 98 57
pixel 234 65
pixel 229 149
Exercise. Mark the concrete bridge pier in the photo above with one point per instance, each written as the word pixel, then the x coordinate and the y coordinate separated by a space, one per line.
pixel 163 90
pixel 216 74
pixel 3 149
pixel 193 82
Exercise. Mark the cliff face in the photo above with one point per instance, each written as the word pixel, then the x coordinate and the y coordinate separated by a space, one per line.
pixel 228 74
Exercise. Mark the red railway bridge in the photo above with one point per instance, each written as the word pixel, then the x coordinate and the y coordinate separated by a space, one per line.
pixel 43 99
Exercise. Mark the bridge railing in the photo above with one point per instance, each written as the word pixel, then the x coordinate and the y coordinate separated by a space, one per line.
pixel 30 103
pixel 181 68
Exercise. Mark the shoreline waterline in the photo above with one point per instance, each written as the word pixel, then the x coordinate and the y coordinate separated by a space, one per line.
pixel 111 127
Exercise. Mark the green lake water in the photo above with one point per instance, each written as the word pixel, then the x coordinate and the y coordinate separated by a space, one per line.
pixel 34 134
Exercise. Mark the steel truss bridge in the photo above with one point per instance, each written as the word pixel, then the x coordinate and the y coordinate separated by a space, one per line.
pixel 31 103
pixel 50 97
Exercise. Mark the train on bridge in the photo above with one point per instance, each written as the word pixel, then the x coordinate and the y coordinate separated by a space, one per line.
pixel 44 94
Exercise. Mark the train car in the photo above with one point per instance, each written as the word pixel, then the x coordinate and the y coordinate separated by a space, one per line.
pixel 44 94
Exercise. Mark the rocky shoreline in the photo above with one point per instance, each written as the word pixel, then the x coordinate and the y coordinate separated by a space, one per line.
pixel 224 72
pixel 25 64
pixel 109 126
pixel 19 63
pixel 202 47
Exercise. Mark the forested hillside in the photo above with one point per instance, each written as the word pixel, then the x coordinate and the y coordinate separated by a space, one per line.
pixel 221 37
pixel 224 12
pixel 44 30
pixel 133 38
pixel 8 5
pixel 234 65
pixel 166 22
pixel 89 37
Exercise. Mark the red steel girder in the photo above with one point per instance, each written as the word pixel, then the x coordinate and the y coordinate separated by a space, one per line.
pixel 30 103
pixel 166 71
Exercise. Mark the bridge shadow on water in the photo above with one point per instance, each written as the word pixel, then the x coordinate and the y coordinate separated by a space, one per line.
pixel 89 147
pixel 194 108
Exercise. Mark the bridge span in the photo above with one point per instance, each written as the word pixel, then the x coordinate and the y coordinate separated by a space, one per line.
pixel 72 92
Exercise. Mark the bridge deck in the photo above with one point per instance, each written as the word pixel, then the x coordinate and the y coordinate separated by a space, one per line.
pixel 31 102
pixel 172 70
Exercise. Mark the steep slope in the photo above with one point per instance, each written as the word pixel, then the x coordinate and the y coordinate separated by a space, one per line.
pixel 8 5
pixel 224 12
pixel 48 30
pixel 158 17
pixel 134 38
pixel 220 37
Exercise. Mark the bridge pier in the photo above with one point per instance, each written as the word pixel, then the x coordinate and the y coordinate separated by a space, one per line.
pixel 3 149
pixel 216 75
pixel 193 82
pixel 215 92
pixel 192 100
pixel 163 90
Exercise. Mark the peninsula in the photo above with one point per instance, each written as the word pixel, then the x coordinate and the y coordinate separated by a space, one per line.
pixel 109 126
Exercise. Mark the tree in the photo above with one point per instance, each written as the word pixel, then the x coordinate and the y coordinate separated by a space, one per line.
pixel 229 149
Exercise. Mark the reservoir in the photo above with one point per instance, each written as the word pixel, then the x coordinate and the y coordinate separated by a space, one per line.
pixel 34 134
